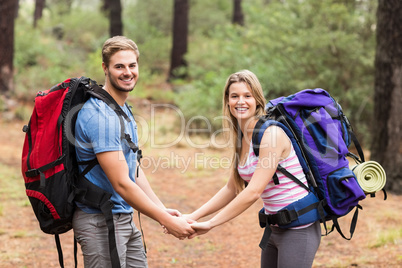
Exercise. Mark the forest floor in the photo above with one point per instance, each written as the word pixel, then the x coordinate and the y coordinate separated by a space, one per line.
pixel 377 241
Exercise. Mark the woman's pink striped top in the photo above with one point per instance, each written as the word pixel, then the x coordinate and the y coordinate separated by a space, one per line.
pixel 276 197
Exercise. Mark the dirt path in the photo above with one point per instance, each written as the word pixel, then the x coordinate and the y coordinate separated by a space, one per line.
pixel 376 243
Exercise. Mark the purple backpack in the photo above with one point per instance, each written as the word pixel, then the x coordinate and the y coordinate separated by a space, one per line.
pixel 321 135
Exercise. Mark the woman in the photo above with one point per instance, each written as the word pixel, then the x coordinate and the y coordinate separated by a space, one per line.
pixel 243 103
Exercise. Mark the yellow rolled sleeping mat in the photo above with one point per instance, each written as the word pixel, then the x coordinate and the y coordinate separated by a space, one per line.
pixel 370 176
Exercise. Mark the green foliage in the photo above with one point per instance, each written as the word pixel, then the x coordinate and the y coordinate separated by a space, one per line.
pixel 206 14
pixel 202 100
pixel 151 30
pixel 37 62
pixel 93 65
pixel 390 236
pixel 57 49
pixel 23 113
pixel 140 16
pixel 290 45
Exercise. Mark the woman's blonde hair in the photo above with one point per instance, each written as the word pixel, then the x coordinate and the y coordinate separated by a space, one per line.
pixel 230 122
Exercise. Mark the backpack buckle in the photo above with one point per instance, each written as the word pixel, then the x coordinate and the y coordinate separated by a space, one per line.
pixel 284 217
pixel 25 129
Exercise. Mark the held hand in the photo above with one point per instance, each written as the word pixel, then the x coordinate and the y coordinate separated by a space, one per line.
pixel 165 230
pixel 189 221
pixel 179 227
pixel 189 218
pixel 200 228
pixel 173 212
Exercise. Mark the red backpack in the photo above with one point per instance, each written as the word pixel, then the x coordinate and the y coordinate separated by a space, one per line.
pixel 49 166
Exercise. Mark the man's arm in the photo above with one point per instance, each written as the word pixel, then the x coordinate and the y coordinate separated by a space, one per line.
pixel 115 167
pixel 143 183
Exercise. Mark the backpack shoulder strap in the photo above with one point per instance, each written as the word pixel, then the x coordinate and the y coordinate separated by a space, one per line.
pixel 262 124
pixel 96 91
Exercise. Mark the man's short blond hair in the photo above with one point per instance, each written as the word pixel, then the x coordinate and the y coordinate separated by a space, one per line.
pixel 115 44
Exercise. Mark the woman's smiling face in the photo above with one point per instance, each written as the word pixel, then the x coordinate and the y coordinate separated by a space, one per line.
pixel 242 104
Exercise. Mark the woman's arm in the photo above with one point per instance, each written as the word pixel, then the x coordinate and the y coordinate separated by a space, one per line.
pixel 274 145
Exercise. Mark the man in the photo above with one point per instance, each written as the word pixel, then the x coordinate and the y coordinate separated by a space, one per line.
pixel 98 134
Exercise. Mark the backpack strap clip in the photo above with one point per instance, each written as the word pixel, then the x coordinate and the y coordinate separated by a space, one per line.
pixel 282 217
pixel 40 171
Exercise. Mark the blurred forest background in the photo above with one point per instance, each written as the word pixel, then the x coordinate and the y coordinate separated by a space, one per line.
pixel 188 48
pixel 352 48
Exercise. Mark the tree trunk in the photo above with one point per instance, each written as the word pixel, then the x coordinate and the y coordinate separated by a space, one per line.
pixel 180 35
pixel 105 6
pixel 116 24
pixel 39 6
pixel 8 11
pixel 238 16
pixel 387 135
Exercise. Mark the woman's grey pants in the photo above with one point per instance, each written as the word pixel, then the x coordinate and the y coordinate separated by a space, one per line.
pixel 291 248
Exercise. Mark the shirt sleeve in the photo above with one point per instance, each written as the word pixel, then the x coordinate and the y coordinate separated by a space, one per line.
pixel 103 131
